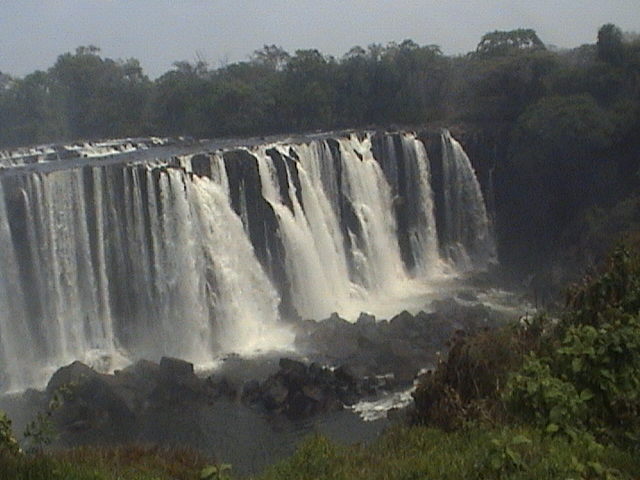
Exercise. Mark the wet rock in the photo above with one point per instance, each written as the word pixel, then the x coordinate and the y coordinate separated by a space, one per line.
pixel 299 391
pixel 176 368
pixel 251 391
pixel 222 387
pixel 73 374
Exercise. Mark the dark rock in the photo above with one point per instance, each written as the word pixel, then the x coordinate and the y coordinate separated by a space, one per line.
pixel 292 367
pixel 176 368
pixel 70 375
pixel 364 319
pixel 251 391
pixel 345 375
pixel 298 391
pixel 274 393
pixel 222 387
pixel 93 406
pixel 403 321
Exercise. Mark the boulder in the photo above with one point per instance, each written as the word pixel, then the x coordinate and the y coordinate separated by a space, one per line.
pixel 298 391
pixel 176 369
pixel 70 375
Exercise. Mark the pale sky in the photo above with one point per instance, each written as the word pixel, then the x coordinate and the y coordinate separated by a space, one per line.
pixel 159 32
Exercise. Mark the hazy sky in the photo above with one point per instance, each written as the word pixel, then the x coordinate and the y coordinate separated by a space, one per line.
pixel 158 32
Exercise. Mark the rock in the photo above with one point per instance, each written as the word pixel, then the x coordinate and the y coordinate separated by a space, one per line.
pixel 222 387
pixel 365 319
pixel 176 368
pixel 143 368
pixel 73 374
pixel 251 391
pixel 345 375
pixel 93 406
pixel 403 321
pixel 291 367
pixel 274 393
pixel 298 391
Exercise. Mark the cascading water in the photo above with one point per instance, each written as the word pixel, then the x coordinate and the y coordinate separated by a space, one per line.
pixel 200 255
pixel 468 241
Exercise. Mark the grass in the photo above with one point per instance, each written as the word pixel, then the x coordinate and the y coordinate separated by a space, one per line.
pixel 476 453
pixel 105 463
pixel 519 453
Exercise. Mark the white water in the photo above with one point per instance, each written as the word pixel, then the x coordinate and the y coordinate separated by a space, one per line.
pixel 424 237
pixel 126 262
pixel 469 243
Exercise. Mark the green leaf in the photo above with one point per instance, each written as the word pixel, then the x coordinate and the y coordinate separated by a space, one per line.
pixel 520 440
pixel 576 365
pixel 586 395
pixel 209 472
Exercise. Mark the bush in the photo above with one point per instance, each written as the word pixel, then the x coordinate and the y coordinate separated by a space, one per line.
pixel 8 443
pixel 591 381
pixel 468 385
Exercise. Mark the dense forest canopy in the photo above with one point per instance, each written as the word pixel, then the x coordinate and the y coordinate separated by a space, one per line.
pixel 85 95
pixel 562 125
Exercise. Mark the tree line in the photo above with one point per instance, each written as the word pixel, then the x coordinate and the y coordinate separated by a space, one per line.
pixel 85 96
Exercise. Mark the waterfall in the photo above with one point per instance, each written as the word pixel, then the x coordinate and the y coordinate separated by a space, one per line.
pixel 468 240
pixel 423 236
pixel 14 330
pixel 203 254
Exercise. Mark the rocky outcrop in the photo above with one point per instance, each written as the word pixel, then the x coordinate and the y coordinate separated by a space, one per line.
pixel 298 390
pixel 401 346
pixel 104 408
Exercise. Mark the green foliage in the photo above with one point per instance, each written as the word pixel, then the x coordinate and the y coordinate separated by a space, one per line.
pixel 503 43
pixel 499 88
pixel 591 381
pixel 505 458
pixel 216 472
pixel 8 443
pixel 547 401
pixel 474 453
pixel 467 386
pixel 610 47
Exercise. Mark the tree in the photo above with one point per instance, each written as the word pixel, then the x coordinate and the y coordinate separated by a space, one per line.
pixel 610 48
pixel 271 56
pixel 498 88
pixel 102 97
pixel 558 167
pixel 309 96
pixel 506 42
pixel 178 101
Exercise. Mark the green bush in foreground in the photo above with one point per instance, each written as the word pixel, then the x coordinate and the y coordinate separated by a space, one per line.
pixel 590 381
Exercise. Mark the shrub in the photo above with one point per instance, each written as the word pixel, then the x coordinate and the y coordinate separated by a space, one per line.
pixel 591 381
pixel 8 443
pixel 468 385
